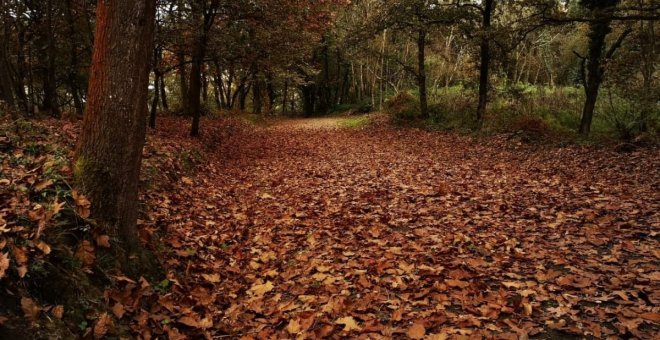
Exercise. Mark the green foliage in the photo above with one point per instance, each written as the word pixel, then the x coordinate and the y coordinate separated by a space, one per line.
pixel 403 107
pixel 355 122
pixel 623 117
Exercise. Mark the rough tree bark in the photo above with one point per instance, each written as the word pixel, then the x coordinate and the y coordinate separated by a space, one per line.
pixel 109 151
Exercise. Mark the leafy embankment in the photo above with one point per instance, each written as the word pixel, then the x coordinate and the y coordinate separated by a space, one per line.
pixel 56 265
pixel 288 231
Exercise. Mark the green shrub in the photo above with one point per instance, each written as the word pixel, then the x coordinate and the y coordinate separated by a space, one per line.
pixel 403 106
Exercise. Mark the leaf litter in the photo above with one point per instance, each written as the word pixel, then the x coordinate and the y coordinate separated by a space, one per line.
pixel 381 232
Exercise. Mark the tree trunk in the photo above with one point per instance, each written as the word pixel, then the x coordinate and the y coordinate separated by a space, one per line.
pixel 154 103
pixel 205 85
pixel 157 80
pixel 163 93
pixel 183 82
pixel 257 102
pixel 593 72
pixel 421 73
pixel 484 61
pixel 308 98
pixel 109 152
pixel 50 88
pixel 72 78
pixel 270 90
pixel 194 92
pixel 19 82
pixel 285 95
pixel 6 86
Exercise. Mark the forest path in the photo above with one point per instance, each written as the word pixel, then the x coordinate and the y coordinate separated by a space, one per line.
pixel 399 232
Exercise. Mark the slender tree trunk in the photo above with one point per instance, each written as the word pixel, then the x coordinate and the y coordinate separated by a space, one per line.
pixel 648 67
pixel 593 70
pixel 270 90
pixel 72 78
pixel 285 95
pixel 21 66
pixel 109 152
pixel 163 93
pixel 421 73
pixel 6 84
pixel 309 99
pixel 205 85
pixel 218 92
pixel 484 60
pixel 242 95
pixel 154 103
pixel 183 82
pixel 50 88
pixel 194 92
pixel 256 94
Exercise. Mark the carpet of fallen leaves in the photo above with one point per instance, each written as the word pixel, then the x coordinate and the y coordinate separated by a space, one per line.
pixel 311 231
pixel 305 229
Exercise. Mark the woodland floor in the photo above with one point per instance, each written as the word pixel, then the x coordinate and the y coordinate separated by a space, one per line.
pixel 309 229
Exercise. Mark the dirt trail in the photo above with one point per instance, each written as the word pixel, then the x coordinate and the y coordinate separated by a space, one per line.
pixel 317 231
pixel 310 123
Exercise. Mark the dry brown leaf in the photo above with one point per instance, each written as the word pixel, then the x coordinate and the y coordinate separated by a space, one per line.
pixel 261 289
pixel 457 283
pixel 293 327
pixel 4 264
pixel 655 317
pixel 103 241
pixel 20 254
pixel 102 325
pixel 349 323
pixel 85 253
pixel 58 311
pixel 43 185
pixel 118 310
pixel 30 309
pixel 213 278
pixel 83 205
pixel 416 331
pixel 43 246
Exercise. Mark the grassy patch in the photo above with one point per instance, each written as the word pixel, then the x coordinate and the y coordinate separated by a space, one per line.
pixel 355 122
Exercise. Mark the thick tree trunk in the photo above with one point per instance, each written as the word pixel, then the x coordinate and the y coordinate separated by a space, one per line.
pixel 109 152
pixel 484 61
pixel 421 73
